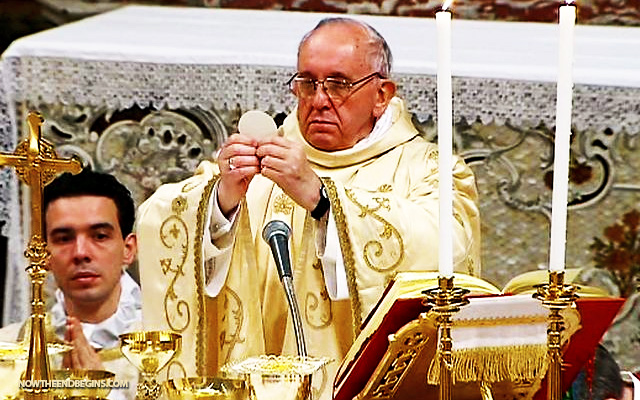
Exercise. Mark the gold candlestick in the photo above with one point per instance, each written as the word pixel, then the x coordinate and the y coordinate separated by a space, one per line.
pixel 36 164
pixel 445 301
pixel 556 296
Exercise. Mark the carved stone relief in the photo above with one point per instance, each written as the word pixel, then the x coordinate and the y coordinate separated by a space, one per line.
pixel 513 167
pixel 142 147
pixel 514 172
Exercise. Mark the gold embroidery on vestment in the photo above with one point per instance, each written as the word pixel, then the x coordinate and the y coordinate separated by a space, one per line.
pixel 190 184
pixel 347 253
pixel 178 205
pixel 458 218
pixel 318 304
pixel 174 234
pixel 471 267
pixel 374 248
pixel 283 204
pixel 198 264
pixel 231 298
pixel 433 156
pixel 318 388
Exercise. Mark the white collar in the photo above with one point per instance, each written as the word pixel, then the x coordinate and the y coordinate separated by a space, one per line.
pixel 105 334
pixel 379 129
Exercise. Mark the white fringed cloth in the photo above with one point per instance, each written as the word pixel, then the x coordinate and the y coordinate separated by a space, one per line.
pixel 502 338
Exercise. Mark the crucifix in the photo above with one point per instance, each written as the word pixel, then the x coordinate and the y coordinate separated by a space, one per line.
pixel 37 164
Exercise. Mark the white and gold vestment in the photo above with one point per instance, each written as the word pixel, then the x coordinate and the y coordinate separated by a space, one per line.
pixel 384 206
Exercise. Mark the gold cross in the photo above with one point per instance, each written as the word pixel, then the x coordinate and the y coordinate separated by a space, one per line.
pixel 37 163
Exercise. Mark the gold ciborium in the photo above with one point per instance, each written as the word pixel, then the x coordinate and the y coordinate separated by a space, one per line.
pixel 73 389
pixel 207 388
pixel 150 351
pixel 278 377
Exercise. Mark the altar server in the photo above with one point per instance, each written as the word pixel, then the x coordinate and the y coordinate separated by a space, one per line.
pixel 88 224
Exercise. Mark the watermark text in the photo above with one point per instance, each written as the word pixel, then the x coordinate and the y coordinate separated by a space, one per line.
pixel 73 384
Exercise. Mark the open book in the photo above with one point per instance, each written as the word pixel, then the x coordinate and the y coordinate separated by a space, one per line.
pixel 499 340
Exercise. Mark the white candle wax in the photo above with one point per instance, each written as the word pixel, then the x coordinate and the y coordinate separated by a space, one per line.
pixel 445 143
pixel 562 139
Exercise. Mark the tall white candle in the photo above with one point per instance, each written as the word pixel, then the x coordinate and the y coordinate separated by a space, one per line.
pixel 564 99
pixel 445 142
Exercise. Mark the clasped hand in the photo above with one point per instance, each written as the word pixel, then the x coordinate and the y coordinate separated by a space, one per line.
pixel 82 355
pixel 279 159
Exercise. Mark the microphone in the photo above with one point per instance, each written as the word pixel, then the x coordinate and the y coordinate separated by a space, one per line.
pixel 276 233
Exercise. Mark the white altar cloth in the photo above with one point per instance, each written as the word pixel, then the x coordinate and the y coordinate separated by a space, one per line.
pixel 485 49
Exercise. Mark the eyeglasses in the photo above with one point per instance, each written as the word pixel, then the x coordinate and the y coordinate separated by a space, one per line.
pixel 338 89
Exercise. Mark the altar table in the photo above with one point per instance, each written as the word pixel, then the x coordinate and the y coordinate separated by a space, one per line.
pixel 145 92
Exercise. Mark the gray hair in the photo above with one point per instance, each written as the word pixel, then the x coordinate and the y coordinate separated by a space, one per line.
pixel 383 59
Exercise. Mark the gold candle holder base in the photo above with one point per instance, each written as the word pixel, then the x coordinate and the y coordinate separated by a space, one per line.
pixel 556 296
pixel 445 300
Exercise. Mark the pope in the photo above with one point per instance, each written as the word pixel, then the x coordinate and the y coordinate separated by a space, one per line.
pixel 355 182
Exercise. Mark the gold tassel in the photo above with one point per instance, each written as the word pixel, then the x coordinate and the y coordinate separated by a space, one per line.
pixel 494 364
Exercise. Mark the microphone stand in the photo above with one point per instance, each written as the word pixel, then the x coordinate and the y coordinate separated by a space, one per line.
pixel 276 233
pixel 287 283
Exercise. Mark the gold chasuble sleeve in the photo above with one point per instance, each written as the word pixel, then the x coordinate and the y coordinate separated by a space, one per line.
pixel 175 256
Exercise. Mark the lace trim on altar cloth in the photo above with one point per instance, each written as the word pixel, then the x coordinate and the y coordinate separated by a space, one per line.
pixel 525 103
pixel 16 285
pixel 7 144
pixel 120 85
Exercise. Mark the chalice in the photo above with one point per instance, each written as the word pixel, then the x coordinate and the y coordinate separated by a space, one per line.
pixel 150 351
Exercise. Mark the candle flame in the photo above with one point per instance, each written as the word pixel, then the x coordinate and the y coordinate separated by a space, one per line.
pixel 446 5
